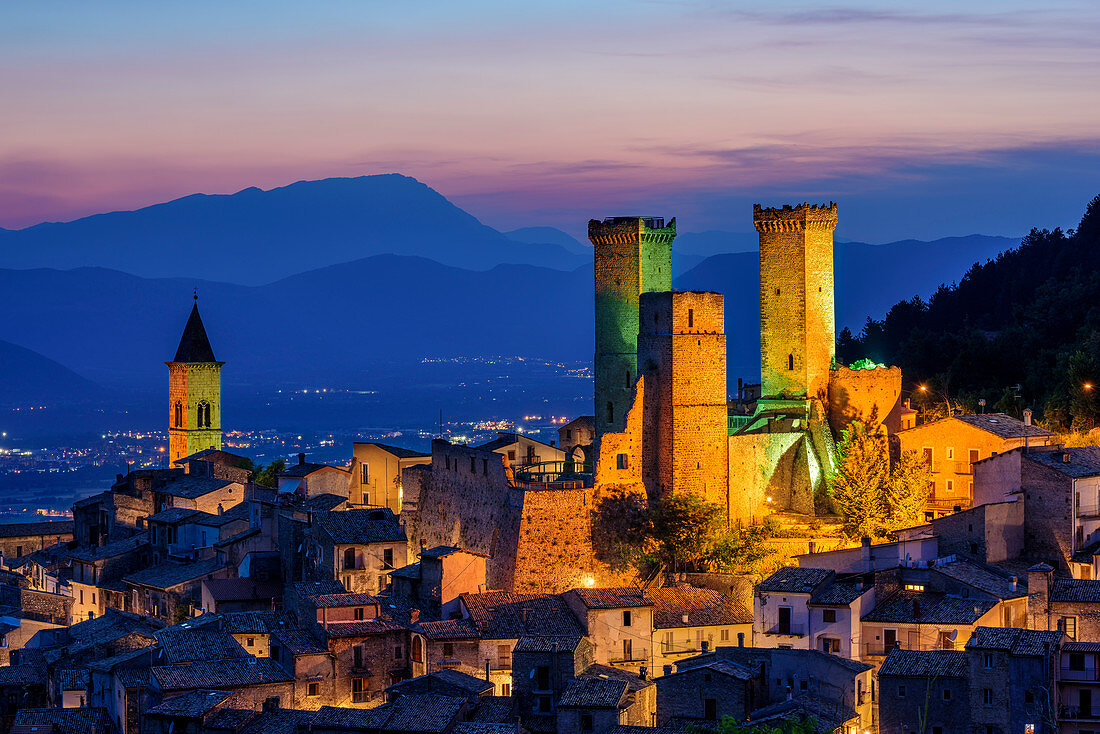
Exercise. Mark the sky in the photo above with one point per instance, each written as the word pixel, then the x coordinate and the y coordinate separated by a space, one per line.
pixel 921 119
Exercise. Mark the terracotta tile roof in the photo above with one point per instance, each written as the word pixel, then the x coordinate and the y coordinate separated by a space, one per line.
pixel 1013 640
pixel 619 598
pixel 242 589
pixel 829 714
pixel 1075 590
pixel 108 664
pixel 299 641
pixel 446 682
pixel 325 502
pixel 72 679
pixel 594 693
pixel 703 607
pixel 547 644
pixel 205 643
pixel 1084 461
pixel 21 675
pixel 1074 646
pixel 794 580
pixel 926 607
pixel 493 709
pixel 984 578
pixel 111 550
pixel 429 712
pixel 362 628
pixel 840 593
pixel 360 526
pixel 397 451
pixel 279 721
pixel 230 719
pixel 167 575
pixel 27 529
pixel 1002 425
pixel 191 704
pixel 173 515
pixel 902 663
pixel 218 674
pixel 329 601
pixel 191 487
pixel 502 615
pixel 62 721
pixel 449 629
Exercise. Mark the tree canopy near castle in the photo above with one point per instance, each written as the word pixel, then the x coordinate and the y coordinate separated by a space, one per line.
pixel 1027 318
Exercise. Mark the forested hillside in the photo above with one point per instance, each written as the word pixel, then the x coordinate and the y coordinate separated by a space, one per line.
pixel 1031 318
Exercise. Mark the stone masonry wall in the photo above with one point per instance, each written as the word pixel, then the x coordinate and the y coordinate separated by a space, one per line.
pixel 860 394
pixel 634 477
pixel 796 299
pixel 191 384
pixel 1048 509
pixel 763 465
pixel 682 339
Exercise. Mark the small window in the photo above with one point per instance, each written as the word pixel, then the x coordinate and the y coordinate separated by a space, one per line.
pixel 828 615
pixel 627 378
pixel 252 642
pixel 987 661
pixel 512 455
pixel 448 649
pixel 691 318
pixel 586 722
pixel 901 691
pixel 365 476
pixel 485 467
pixel 628 651
pixel 473 465
pixel 620 461
pixel 312 690
pixel 359 613
pixel 724 635
pixel 506 689
pixel 398 652
pixel 626 618
pixel 946 694
pixel 1029 697
pixel 387 558
pixel 950 453
pixel 987 696
pixel 710 709
pixel 610 412
pixel 790 362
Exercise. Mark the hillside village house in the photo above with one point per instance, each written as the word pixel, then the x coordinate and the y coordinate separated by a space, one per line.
pixel 1059 492
pixel 952 445
pixel 522 450
pixel 309 479
pixel 811 609
pixel 376 473
pixel 359 547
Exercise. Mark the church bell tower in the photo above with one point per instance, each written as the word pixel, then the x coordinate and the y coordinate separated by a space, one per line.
pixel 194 393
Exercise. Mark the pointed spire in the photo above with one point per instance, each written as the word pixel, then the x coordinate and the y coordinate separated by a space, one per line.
pixel 194 344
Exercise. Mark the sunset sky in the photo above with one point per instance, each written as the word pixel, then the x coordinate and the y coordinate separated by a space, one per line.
pixel 922 119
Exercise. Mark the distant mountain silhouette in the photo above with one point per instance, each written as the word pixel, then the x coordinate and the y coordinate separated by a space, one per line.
pixel 338 320
pixel 550 235
pixel 255 237
pixel 27 379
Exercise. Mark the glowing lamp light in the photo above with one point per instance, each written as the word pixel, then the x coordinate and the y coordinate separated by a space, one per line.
pixel 1088 385
pixel 589 581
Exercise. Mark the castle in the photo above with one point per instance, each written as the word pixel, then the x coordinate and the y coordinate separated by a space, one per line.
pixel 663 425
pixel 194 393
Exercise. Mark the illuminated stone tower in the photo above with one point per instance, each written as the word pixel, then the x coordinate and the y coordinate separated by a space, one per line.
pixel 194 393
pixel 633 255
pixel 683 344
pixel 797 325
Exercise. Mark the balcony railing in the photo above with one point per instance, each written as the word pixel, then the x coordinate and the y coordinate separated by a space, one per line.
pixel 880 649
pixel 1077 674
pixel 1076 712
pixel 1088 509
pixel 952 466
pixel 363 696
pixel 788 630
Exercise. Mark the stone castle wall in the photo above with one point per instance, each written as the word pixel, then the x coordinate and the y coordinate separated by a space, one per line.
pixel 190 384
pixel 861 394
pixel 797 323
pixel 770 472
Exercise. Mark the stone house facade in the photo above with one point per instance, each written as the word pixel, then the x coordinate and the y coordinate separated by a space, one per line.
pixel 953 445
pixel 618 623
pixel 376 470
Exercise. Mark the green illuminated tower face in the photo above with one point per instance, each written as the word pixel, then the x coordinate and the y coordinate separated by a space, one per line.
pixel 633 255
pixel 797 327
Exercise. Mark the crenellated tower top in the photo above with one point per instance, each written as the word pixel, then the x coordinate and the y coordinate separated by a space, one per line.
pixel 802 217
pixel 620 230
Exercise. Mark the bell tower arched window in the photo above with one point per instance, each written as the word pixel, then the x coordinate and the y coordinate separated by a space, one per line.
pixel 177 415
pixel 203 415
pixel 790 362
pixel 610 412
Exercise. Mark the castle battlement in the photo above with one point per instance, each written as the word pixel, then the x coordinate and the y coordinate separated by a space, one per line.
pixel 620 230
pixel 815 217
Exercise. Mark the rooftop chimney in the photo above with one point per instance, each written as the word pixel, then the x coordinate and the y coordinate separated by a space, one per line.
pixel 414 616
pixel 1012 584
pixel 643 672
pixel 865 553
pixel 704 645
pixel 668 670
pixel 1027 416
pixel 301 458
pixel 1067 458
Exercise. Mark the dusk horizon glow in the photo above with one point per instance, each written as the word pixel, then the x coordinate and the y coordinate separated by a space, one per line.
pixel 921 120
